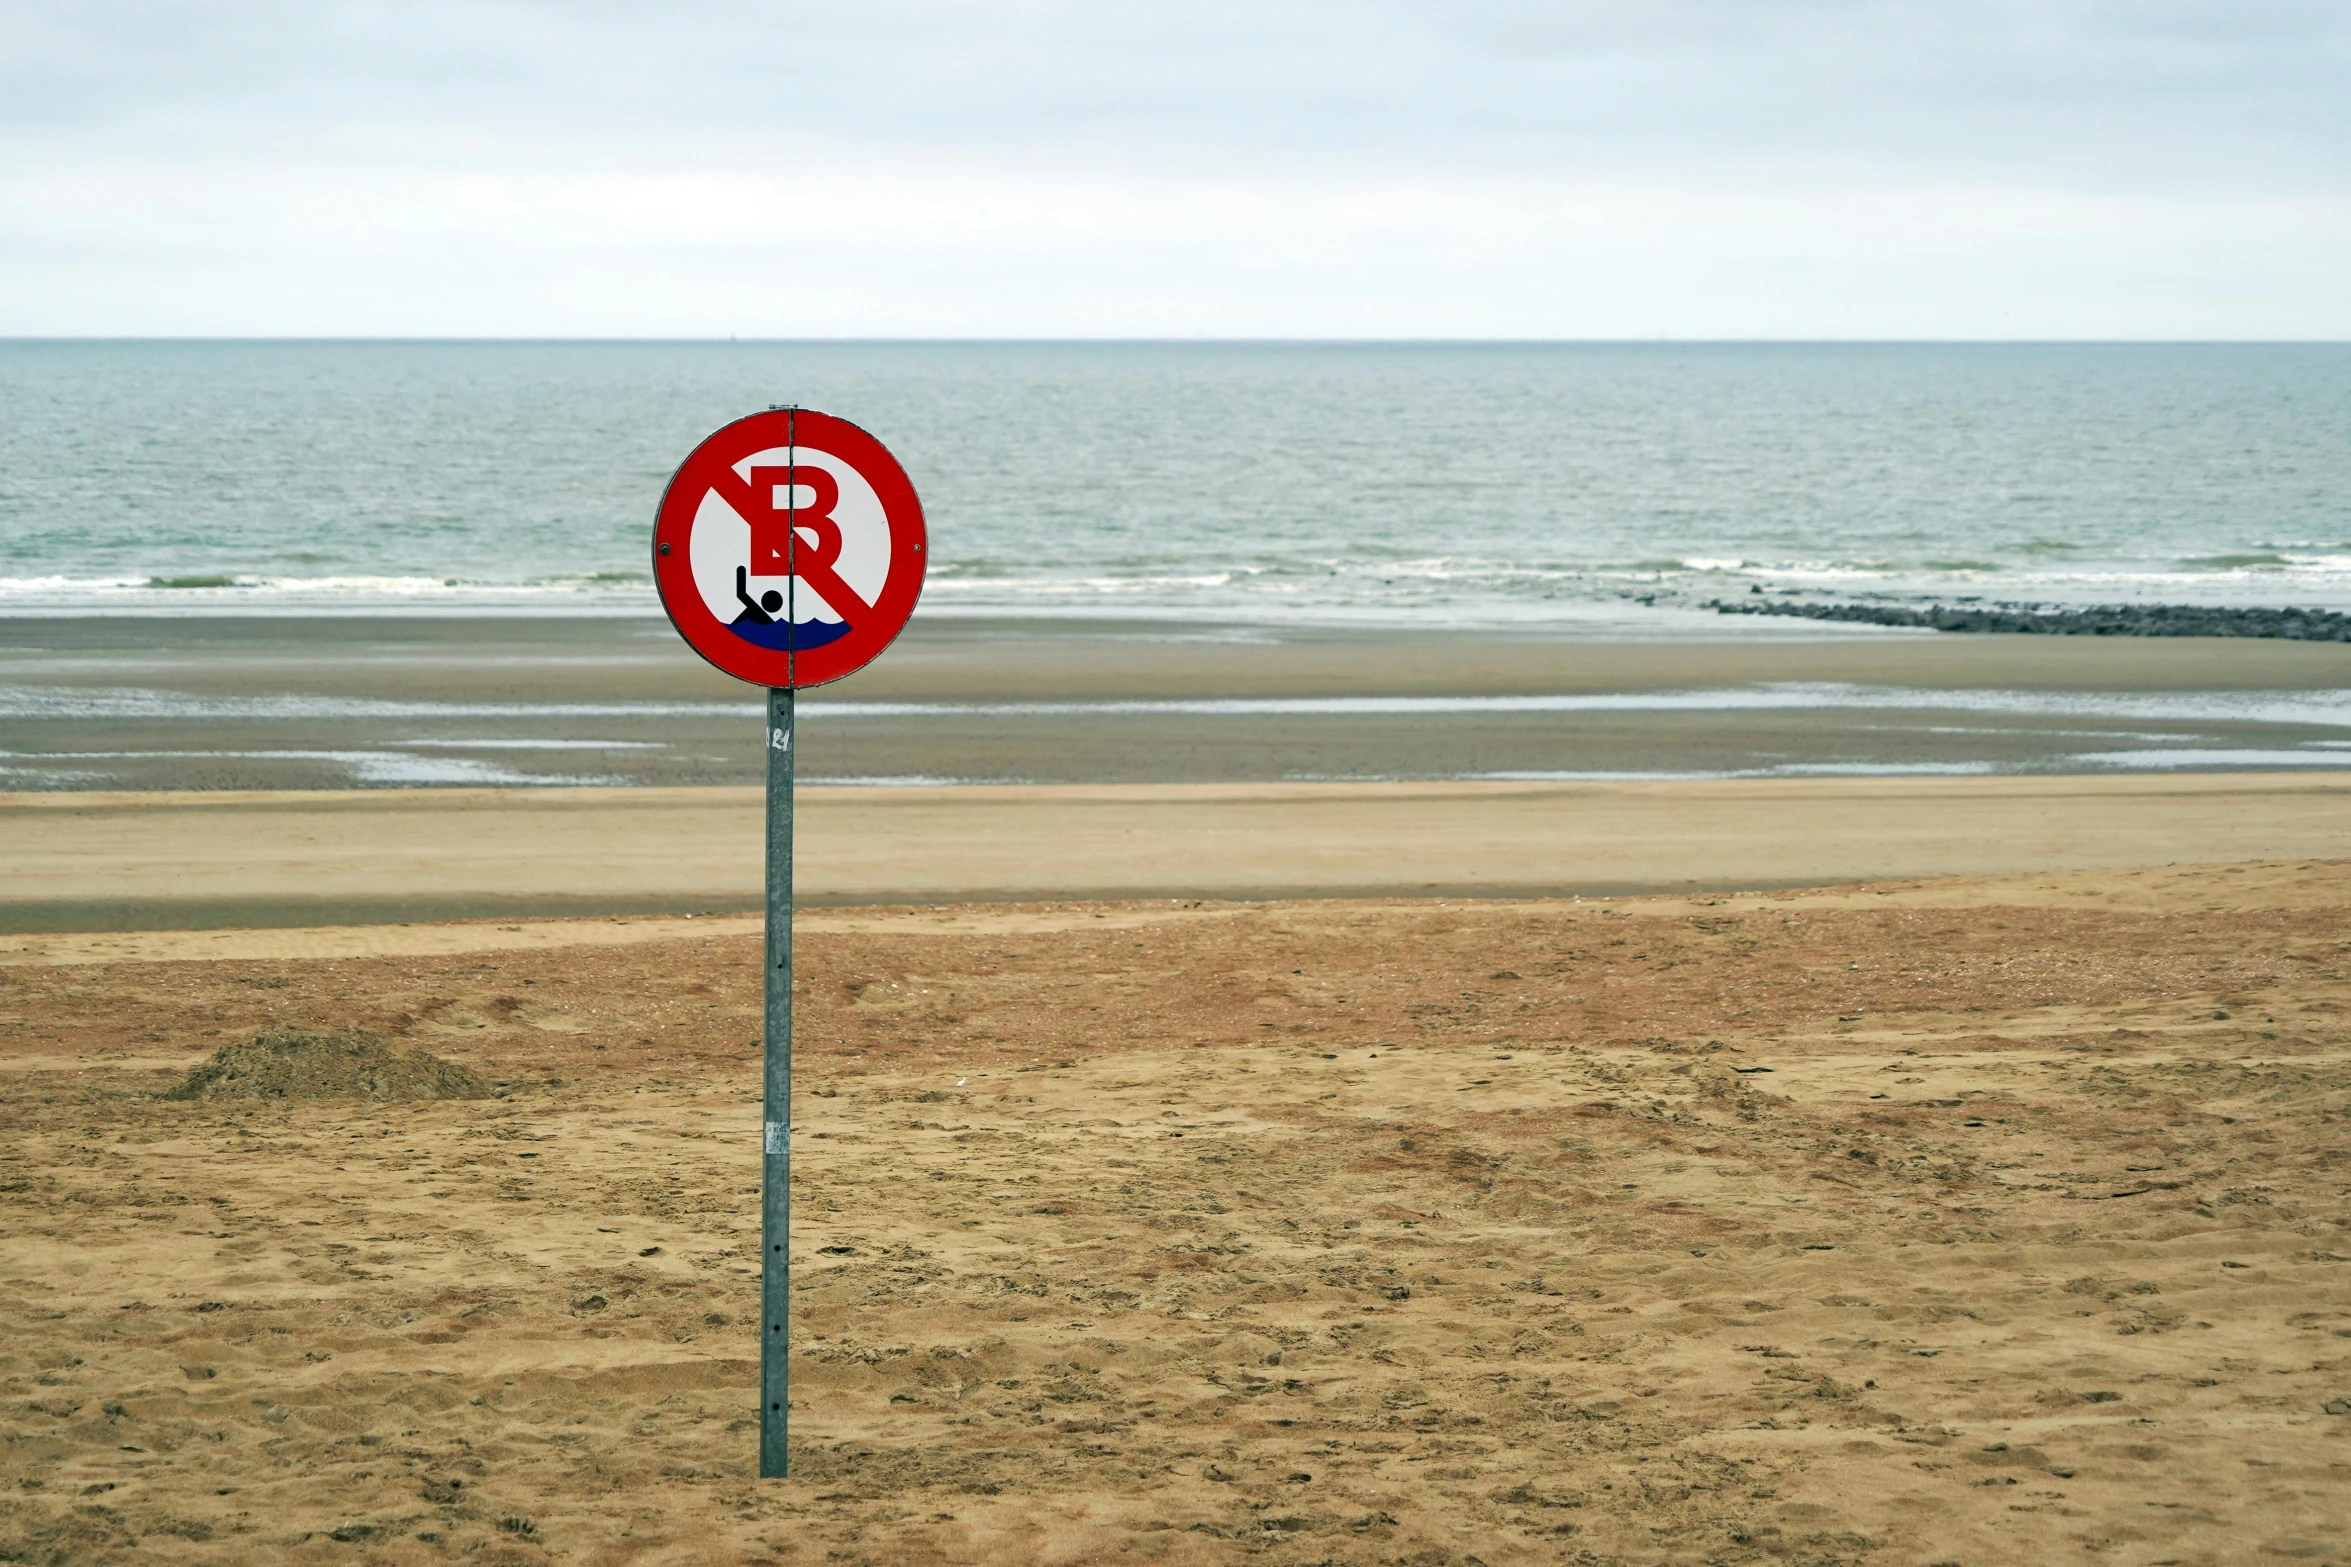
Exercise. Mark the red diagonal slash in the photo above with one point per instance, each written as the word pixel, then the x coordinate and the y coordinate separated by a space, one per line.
pixel 811 560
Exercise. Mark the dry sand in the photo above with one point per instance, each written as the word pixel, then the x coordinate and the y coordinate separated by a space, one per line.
pixel 1978 1222
pixel 153 861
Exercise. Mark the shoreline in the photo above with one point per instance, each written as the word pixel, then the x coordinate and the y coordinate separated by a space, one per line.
pixel 1634 614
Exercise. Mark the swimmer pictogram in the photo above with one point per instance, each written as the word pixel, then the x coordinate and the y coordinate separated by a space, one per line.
pixel 789 548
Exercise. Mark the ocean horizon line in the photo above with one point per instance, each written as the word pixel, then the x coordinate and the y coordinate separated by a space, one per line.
pixel 1202 340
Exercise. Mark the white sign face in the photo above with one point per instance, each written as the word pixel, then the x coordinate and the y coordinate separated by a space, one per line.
pixel 843 535
pixel 789 548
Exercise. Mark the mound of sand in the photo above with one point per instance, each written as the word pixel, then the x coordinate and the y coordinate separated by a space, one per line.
pixel 290 1063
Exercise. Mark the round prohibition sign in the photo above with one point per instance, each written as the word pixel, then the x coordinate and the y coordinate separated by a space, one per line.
pixel 789 548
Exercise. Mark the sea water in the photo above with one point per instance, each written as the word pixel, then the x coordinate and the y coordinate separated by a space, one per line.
pixel 1408 483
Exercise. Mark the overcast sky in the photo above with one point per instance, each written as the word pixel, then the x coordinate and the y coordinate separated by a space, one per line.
pixel 1479 168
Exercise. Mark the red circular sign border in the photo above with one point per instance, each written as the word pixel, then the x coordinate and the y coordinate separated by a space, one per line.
pixel 673 568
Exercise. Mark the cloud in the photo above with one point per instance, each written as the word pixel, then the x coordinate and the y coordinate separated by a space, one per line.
pixel 1848 167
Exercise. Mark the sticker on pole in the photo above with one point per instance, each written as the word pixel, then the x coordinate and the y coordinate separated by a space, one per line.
pixel 789 548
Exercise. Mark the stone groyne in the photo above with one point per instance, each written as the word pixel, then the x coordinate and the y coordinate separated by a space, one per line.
pixel 2106 620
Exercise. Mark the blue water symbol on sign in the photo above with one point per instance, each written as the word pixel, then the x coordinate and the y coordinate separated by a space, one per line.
pixel 758 624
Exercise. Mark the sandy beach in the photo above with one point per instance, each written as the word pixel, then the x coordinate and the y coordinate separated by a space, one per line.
pixel 259 771
pixel 1258 1133
pixel 132 862
pixel 1977 1221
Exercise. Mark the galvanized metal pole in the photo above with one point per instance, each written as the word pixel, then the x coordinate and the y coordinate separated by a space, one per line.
pixel 775 1272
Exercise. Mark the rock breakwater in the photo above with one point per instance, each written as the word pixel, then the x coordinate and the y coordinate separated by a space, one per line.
pixel 2106 620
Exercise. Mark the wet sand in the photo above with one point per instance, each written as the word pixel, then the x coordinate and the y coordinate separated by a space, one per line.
pixel 1983 1221
pixel 89 861
pixel 310 704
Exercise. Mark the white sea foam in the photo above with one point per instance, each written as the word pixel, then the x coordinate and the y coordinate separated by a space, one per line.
pixel 2234 759
pixel 46 778
pixel 375 595
pixel 1555 775
pixel 1884 769
pixel 364 767
pixel 138 702
pixel 535 745
pixel 1782 770
pixel 2330 708
pixel 2326 708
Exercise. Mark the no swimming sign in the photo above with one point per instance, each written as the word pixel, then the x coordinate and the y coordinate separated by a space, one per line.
pixel 789 551
pixel 789 548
